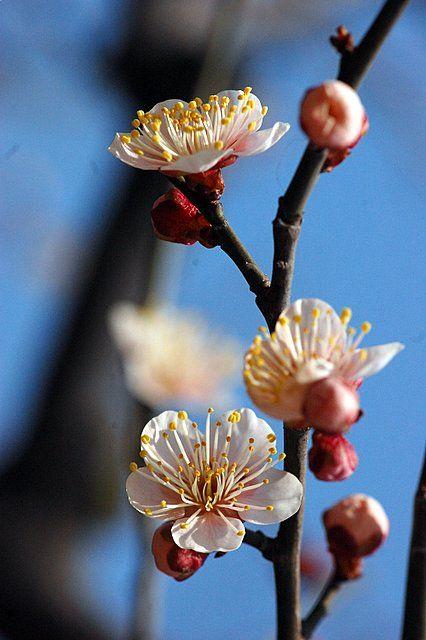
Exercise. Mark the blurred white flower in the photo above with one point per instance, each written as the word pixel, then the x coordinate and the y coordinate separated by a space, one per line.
pixel 180 137
pixel 173 356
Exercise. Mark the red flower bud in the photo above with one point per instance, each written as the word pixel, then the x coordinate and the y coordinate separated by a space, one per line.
pixel 331 405
pixel 178 563
pixel 332 457
pixel 356 527
pixel 176 219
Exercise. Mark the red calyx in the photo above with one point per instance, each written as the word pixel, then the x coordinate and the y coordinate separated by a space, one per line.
pixel 178 563
pixel 176 219
pixel 332 457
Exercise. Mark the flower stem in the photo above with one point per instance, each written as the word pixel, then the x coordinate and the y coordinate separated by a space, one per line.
pixel 322 606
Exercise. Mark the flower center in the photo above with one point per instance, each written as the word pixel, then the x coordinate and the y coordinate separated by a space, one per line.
pixel 182 130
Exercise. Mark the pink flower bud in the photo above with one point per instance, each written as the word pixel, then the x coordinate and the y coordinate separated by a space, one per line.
pixel 178 563
pixel 332 457
pixel 176 219
pixel 332 115
pixel 334 158
pixel 331 405
pixel 356 527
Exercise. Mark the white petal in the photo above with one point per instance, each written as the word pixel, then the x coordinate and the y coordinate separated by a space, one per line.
pixel 144 491
pixel 250 426
pixel 376 358
pixel 122 151
pixel 161 425
pixel 254 143
pixel 208 533
pixel 169 104
pixel 284 493
pixel 197 162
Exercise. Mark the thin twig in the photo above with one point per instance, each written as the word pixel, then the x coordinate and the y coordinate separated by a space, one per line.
pixel 415 595
pixel 322 606
pixel 262 542
pixel 272 299
pixel 226 237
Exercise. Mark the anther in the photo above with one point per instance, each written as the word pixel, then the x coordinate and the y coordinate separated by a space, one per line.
pixel 166 155
pixel 148 512
pixel 133 466
pixel 146 439
pixel 264 110
pixel 345 315
pixel 163 504
pixel 125 139
pixel 143 453
pixel 366 327
pixel 210 410
pixel 136 123
pixel 252 126
pixel 184 525
pixel 135 133
pixel 182 415
pixel 271 437
pixel 269 507
pixel 297 318
pixel 240 533
pixel 140 114
pixel 172 426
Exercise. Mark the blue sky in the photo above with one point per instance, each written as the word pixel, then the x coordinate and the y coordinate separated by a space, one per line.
pixel 361 246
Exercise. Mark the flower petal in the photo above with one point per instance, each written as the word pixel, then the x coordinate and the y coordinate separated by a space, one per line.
pixel 284 493
pixel 366 362
pixel 250 428
pixel 123 152
pixel 162 438
pixel 254 143
pixel 208 533
pixel 144 491
pixel 197 162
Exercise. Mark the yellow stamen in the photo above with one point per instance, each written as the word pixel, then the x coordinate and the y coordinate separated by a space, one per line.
pixel 133 466
pixel 126 139
pixel 366 327
pixel 182 415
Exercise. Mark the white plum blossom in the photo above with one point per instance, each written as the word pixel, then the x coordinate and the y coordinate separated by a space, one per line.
pixel 310 343
pixel 180 137
pixel 209 483
pixel 173 356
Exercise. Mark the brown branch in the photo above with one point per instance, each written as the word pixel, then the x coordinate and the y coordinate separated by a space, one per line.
pixel 227 239
pixel 287 226
pixel 322 606
pixel 415 595
pixel 272 299
pixel 289 540
pixel 261 542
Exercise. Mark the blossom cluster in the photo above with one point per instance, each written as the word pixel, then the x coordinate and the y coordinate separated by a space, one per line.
pixel 204 485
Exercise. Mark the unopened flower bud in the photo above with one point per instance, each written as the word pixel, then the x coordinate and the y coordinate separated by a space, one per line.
pixel 332 115
pixel 356 527
pixel 334 158
pixel 331 405
pixel 332 457
pixel 178 563
pixel 176 219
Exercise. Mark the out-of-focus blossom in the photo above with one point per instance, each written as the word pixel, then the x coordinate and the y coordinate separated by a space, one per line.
pixel 310 343
pixel 332 115
pixel 355 527
pixel 209 483
pixel 172 560
pixel 173 356
pixel 176 219
pixel 332 457
pixel 180 138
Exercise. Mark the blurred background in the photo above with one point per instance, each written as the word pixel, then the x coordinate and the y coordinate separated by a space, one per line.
pixel 76 238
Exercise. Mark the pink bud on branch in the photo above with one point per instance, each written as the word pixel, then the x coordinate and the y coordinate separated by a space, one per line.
pixel 332 457
pixel 178 563
pixel 356 527
pixel 332 115
pixel 332 405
